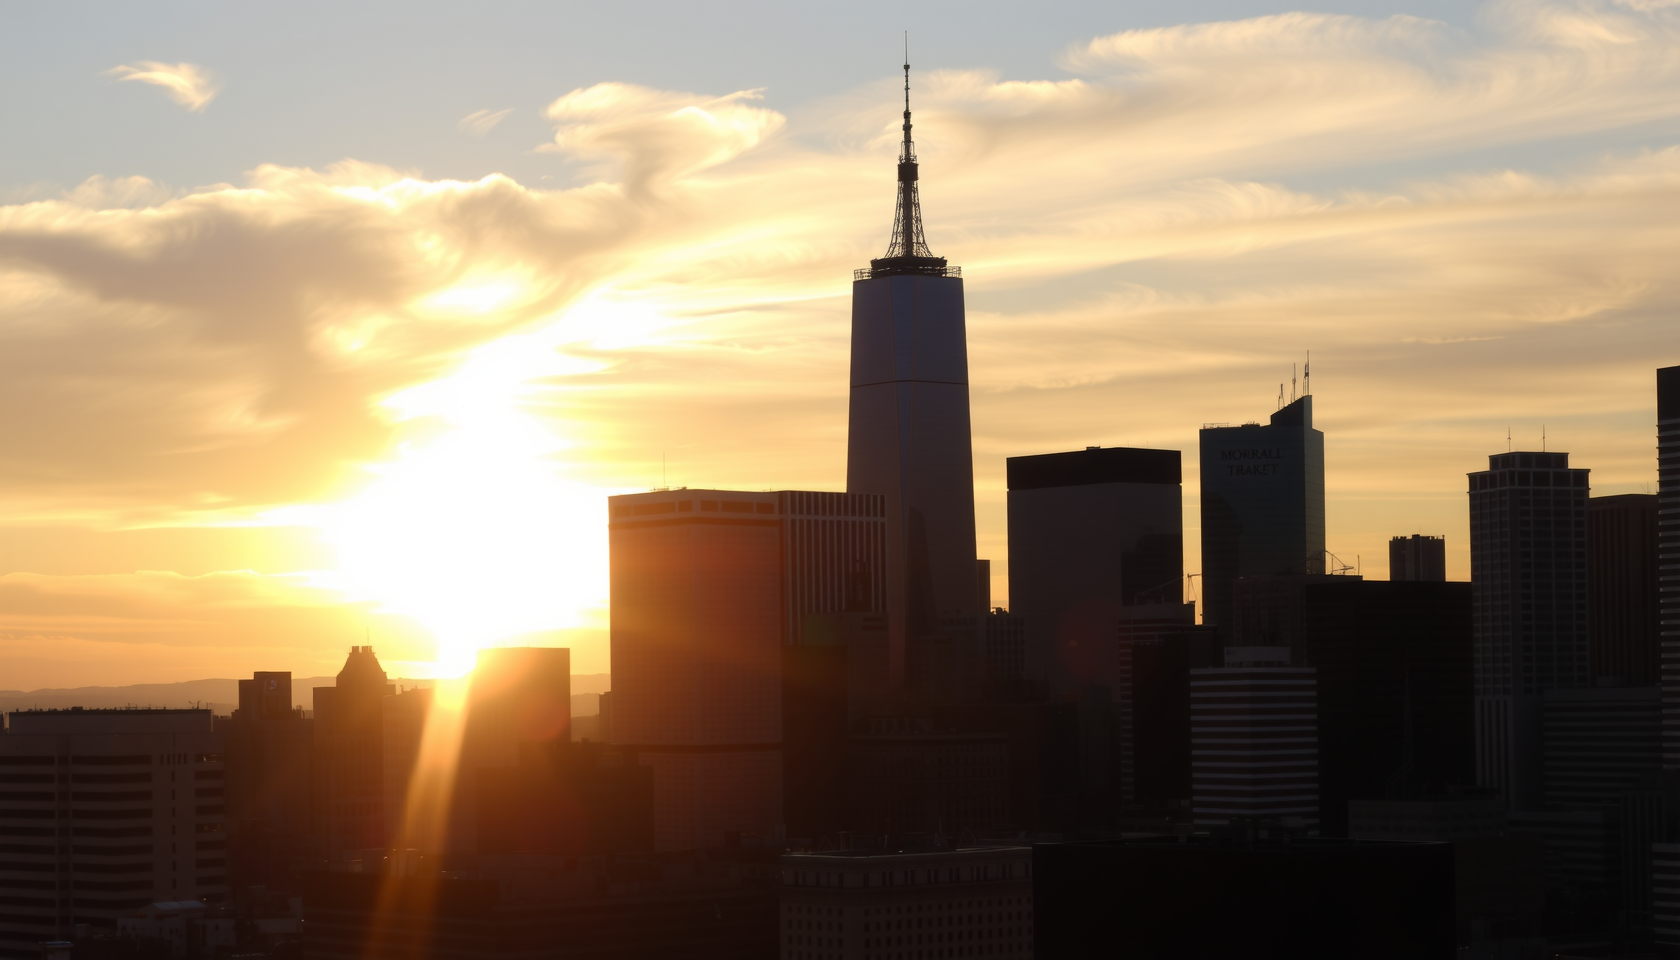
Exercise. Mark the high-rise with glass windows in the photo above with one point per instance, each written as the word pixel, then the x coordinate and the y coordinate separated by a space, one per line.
pixel 1668 554
pixel 1528 573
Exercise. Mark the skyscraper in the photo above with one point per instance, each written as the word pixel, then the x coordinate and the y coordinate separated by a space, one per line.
pixel 908 439
pixel 1668 554
pixel 709 587
pixel 1528 573
pixel 1262 504
pixel 1622 588
pixel 1094 534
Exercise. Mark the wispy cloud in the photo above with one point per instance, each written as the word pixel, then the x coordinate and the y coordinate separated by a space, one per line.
pixel 188 84
pixel 480 122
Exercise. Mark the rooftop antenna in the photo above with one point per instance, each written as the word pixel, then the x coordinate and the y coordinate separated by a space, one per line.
pixel 1280 396
pixel 1306 376
pixel 1507 438
pixel 908 239
pixel 1542 438
pixel 1292 396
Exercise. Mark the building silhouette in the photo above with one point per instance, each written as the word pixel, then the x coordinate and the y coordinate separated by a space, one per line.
pixel 1668 556
pixel 1417 557
pixel 1262 504
pixel 1094 534
pixel 908 441
pixel 1528 571
pixel 366 739
pixel 1622 627
pixel 269 758
pixel 1396 690
pixel 709 589
pixel 104 812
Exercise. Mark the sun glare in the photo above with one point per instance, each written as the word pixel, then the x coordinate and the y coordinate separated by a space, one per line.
pixel 473 531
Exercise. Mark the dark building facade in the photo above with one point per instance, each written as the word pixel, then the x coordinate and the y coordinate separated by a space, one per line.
pixel 1600 743
pixel 1262 504
pixel 1396 689
pixel 269 763
pixel 103 812
pixel 1528 570
pixel 1092 534
pixel 1668 554
pixel 1254 740
pixel 708 589
pixel 908 441
pixel 1417 557
pixel 1204 898
pixel 1622 625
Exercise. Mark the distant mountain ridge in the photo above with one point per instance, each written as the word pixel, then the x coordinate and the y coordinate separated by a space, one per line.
pixel 222 696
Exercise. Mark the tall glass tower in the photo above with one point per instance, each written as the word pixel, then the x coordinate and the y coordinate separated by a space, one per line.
pixel 908 440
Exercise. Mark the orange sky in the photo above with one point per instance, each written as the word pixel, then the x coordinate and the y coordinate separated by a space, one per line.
pixel 246 425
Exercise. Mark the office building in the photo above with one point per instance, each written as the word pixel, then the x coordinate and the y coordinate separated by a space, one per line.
pixel 1528 573
pixel 1417 557
pixel 1396 689
pixel 1665 885
pixel 908 440
pixel 561 799
pixel 1254 740
pixel 1271 611
pixel 834 675
pixel 1152 702
pixel 1262 504
pixel 1093 534
pixel 1599 742
pixel 1622 627
pixel 1668 554
pixel 268 754
pixel 869 904
pixel 1260 898
pixel 366 740
pixel 709 588
pixel 103 812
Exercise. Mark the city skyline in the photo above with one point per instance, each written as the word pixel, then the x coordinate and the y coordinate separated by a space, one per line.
pixel 228 406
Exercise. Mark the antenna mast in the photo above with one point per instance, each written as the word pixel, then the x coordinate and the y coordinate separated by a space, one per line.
pixel 907 239
pixel 1306 376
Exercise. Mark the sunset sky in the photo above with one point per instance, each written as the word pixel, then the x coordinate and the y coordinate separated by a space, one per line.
pixel 329 322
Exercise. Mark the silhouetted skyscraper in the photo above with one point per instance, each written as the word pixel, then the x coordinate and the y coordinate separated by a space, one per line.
pixel 1092 534
pixel 709 587
pixel 268 752
pixel 350 756
pixel 1622 589
pixel 1417 558
pixel 1528 572
pixel 1262 504
pixel 1668 555
pixel 908 440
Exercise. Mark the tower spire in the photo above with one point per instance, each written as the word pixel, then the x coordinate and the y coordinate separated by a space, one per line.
pixel 908 249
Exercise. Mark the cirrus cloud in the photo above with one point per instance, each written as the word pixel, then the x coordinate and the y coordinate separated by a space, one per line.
pixel 188 84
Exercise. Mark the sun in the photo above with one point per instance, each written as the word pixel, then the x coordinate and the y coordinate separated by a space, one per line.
pixel 474 531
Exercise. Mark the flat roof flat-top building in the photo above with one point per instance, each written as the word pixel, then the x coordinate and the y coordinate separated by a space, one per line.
pixel 103 812
pixel 708 589
pixel 1094 535
pixel 1528 575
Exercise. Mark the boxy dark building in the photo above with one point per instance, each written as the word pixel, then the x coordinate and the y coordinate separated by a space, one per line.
pixel 1395 689
pixel 1204 898
pixel 1622 622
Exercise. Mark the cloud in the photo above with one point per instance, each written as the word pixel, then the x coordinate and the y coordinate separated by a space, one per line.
pixel 480 122
pixel 1145 245
pixel 188 84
